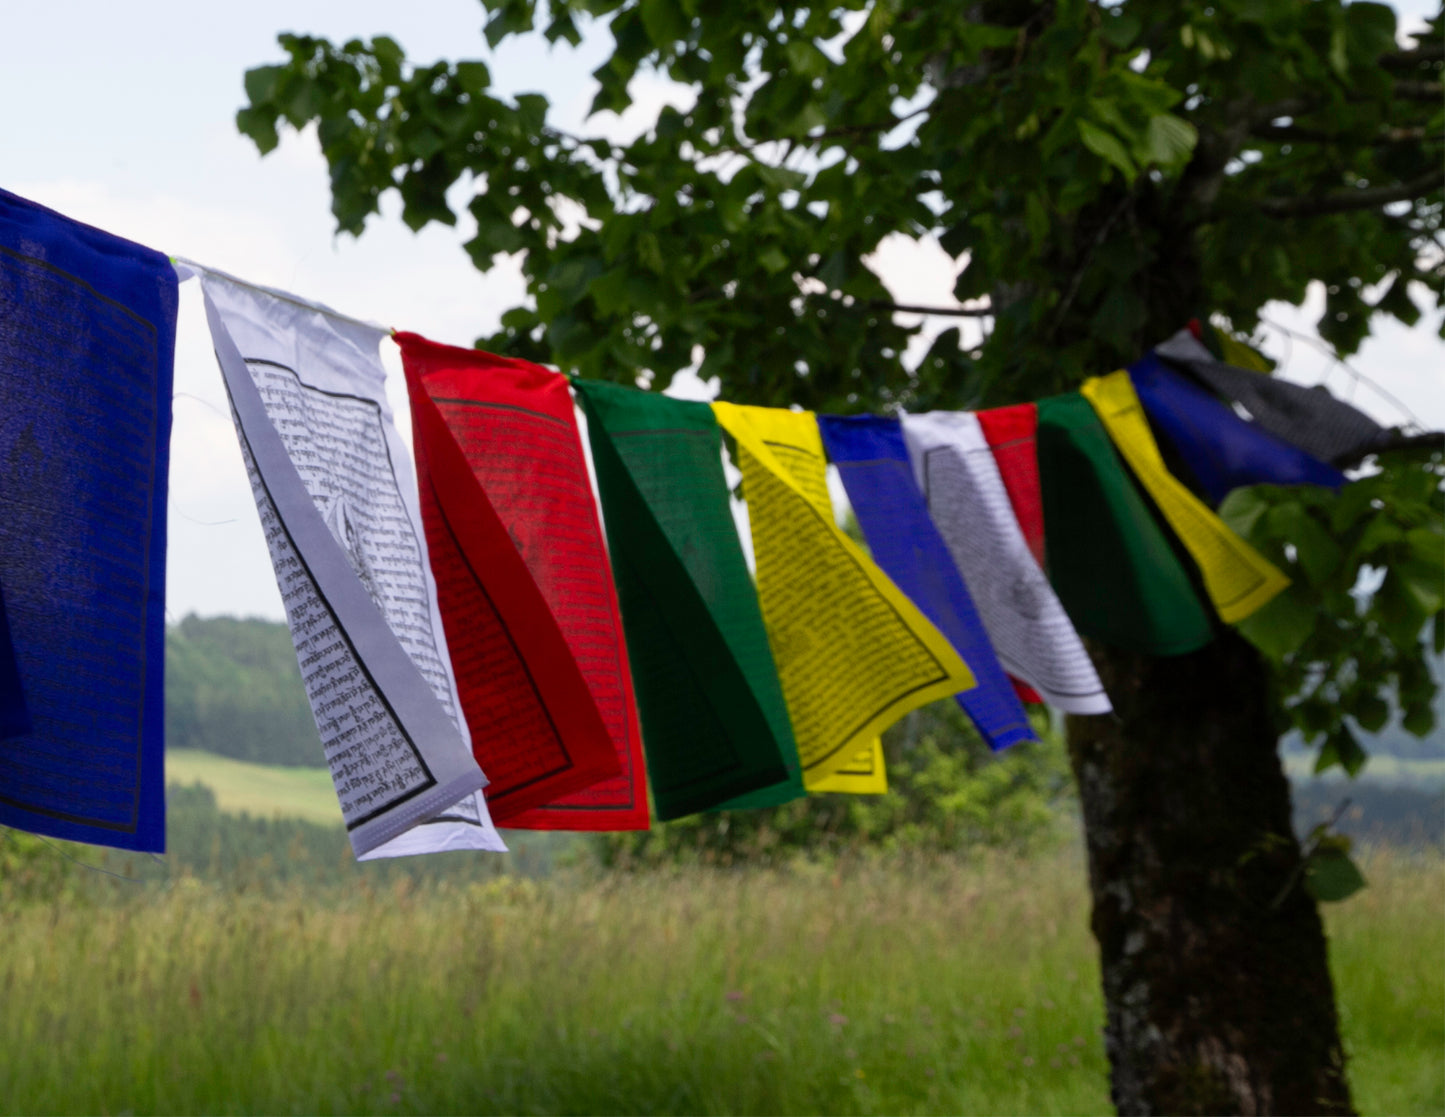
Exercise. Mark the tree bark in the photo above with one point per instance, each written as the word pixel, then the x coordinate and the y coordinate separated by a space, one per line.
pixel 1216 984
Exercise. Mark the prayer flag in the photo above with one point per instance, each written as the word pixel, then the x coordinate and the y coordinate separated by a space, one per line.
pixel 1220 450
pixel 1026 624
pixel 714 727
pixel 1011 433
pixel 87 340
pixel 333 484
pixel 1111 565
pixel 873 461
pixel 853 653
pixel 1238 578
pixel 525 590
pixel 1310 418
pixel 865 774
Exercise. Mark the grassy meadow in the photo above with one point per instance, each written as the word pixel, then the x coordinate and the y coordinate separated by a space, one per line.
pixel 963 986
pixel 260 790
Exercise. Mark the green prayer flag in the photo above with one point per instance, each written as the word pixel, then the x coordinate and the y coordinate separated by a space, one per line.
pixel 1109 560
pixel 715 730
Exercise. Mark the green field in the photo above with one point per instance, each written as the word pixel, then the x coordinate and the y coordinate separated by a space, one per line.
pixel 966 986
pixel 258 789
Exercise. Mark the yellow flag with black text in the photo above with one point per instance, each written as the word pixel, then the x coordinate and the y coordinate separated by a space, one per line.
pixel 853 653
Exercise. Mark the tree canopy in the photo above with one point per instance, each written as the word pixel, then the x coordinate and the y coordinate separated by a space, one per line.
pixel 1096 169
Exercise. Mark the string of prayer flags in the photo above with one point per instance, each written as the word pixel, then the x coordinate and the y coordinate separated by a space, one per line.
pixel 1220 450
pixel 1310 418
pixel 968 501
pixel 853 653
pixel 338 505
pixel 714 728
pixel 1011 433
pixel 873 462
pixel 1111 565
pixel 87 342
pixel 1238 578
pixel 525 590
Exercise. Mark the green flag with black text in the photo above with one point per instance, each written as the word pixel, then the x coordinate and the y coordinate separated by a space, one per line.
pixel 1108 559
pixel 715 730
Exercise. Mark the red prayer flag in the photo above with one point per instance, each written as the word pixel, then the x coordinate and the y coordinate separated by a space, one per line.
pixel 525 590
pixel 1025 692
pixel 1011 434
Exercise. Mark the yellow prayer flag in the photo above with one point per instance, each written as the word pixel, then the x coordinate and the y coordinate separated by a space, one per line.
pixel 1239 579
pixel 863 775
pixel 853 653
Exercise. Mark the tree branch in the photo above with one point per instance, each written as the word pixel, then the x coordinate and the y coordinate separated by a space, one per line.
pixel 1290 133
pixel 940 311
pixel 1404 59
pixel 1420 91
pixel 749 147
pixel 1344 201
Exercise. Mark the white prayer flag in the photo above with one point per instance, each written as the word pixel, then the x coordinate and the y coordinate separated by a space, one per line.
pixel 334 486
pixel 1026 624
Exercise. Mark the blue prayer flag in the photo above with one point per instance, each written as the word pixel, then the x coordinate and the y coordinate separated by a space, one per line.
pixel 872 458
pixel 1221 450
pixel 87 338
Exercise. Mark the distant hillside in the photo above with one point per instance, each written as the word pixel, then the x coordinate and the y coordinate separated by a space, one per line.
pixel 233 688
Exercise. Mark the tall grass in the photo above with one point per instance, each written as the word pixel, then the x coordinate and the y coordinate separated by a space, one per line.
pixel 966 987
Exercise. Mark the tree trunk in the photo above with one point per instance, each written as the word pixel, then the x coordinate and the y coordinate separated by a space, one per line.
pixel 1216 984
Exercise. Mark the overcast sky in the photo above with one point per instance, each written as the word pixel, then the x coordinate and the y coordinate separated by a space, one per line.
pixel 121 115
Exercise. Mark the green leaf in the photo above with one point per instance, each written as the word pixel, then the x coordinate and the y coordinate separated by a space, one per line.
pixel 1422 582
pixel 1119 28
pixel 389 56
pixel 780 178
pixel 1242 511
pixel 834 271
pixel 772 259
pixel 804 59
pixel 260 127
pixel 510 18
pixel 1419 720
pixel 1399 609
pixel 1169 141
pixel 1331 876
pixel 473 77
pixel 1280 627
pixel 664 21
pixel 1342 748
pixel 1339 54
pixel 1107 147
pixel 1380 532
pixel 1371 711
pixel 1318 554
pixel 261 83
pixel 531 111
pixel 649 253
pixel 1396 301
pixel 1428 545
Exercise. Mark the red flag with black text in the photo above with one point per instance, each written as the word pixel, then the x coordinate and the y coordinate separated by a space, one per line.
pixel 525 590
